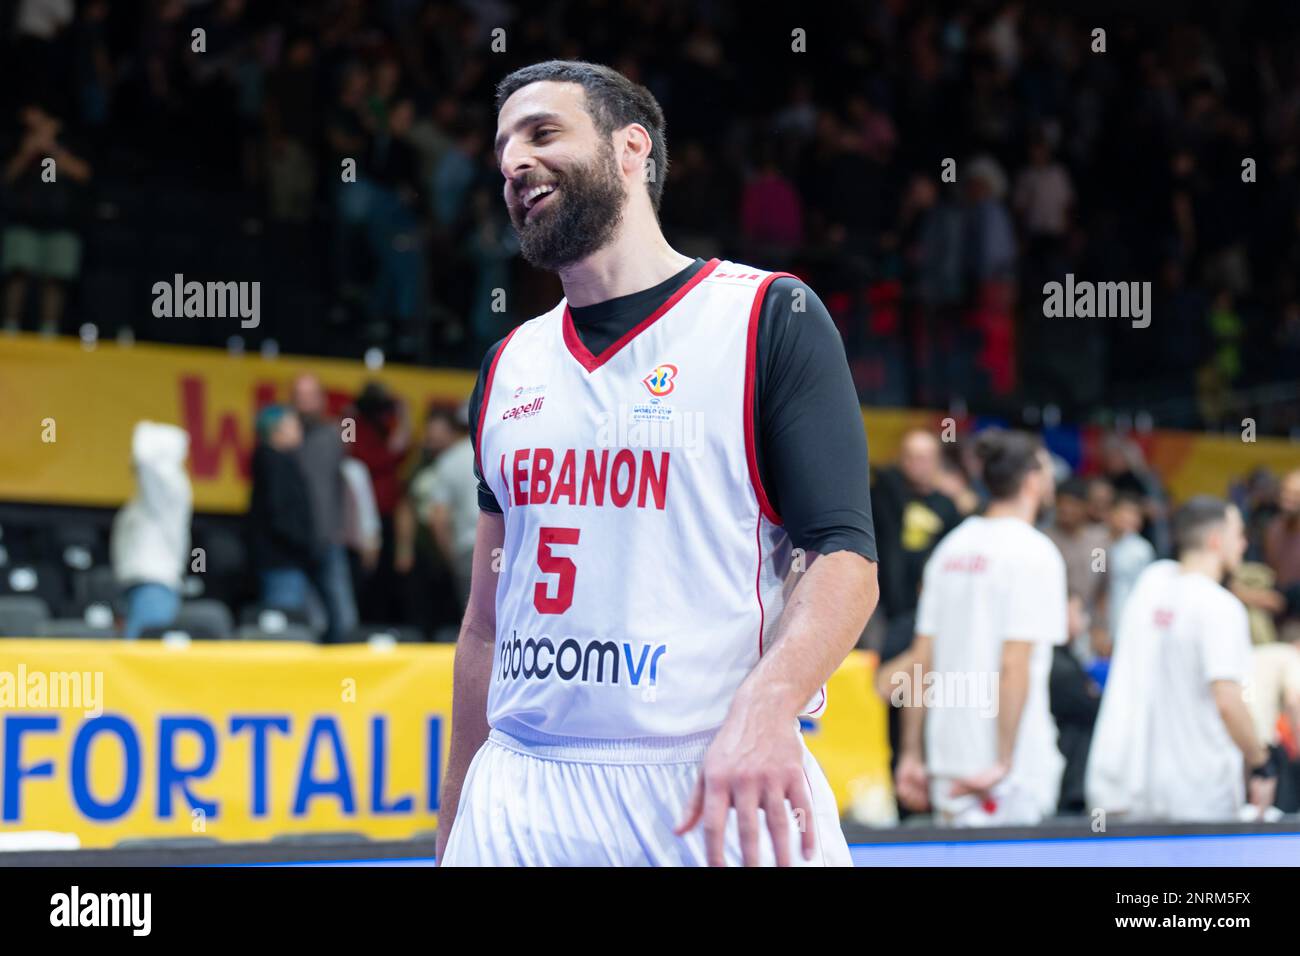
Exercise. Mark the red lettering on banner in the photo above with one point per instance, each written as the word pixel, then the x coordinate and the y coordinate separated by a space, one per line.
pixel 206 450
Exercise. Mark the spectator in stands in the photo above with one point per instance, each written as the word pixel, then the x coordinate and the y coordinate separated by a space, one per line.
pixel 453 505
pixel 150 540
pixel 1125 467
pixel 320 458
pixel 290 120
pixel 1127 555
pixel 1083 546
pixel 282 532
pixel 771 212
pixel 1282 553
pixel 912 515
pixel 431 592
pixel 1042 198
pixel 42 185
pixel 394 230
pixel 492 245
pixel 1175 739
pixel 1282 537
pixel 1101 497
pixel 1075 699
pixel 383 435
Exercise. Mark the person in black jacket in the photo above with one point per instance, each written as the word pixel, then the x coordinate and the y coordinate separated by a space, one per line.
pixel 282 534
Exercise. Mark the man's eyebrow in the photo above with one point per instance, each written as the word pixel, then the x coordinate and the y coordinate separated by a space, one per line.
pixel 530 120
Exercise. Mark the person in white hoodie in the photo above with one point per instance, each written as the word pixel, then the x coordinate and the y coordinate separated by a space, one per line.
pixel 150 540
pixel 1174 739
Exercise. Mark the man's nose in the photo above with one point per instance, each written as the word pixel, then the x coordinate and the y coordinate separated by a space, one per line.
pixel 515 159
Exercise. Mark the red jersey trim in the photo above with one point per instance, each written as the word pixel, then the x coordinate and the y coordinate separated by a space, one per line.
pixel 487 396
pixel 751 361
pixel 592 362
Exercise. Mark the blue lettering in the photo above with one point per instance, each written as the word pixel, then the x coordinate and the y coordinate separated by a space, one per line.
pixel 15 727
pixel 260 726
pixel 435 762
pixel 91 808
pixel 171 776
pixel 309 786
pixel 634 670
pixel 378 764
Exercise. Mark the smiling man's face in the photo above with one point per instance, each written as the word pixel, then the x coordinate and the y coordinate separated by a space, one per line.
pixel 563 186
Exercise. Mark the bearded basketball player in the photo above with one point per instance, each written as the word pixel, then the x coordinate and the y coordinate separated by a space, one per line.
pixel 674 549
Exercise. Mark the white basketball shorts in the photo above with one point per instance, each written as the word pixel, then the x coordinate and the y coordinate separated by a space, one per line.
pixel 576 802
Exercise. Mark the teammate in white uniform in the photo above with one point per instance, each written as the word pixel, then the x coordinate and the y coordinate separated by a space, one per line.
pixel 1175 738
pixel 993 604
pixel 636 652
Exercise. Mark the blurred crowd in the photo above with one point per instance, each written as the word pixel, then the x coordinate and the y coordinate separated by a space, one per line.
pixel 357 520
pixel 1109 525
pixel 1123 164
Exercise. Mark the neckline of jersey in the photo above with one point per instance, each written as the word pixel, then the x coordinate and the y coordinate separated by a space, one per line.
pixel 592 362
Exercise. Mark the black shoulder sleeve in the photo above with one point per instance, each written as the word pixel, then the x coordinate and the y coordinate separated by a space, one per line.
pixel 486 500
pixel 812 447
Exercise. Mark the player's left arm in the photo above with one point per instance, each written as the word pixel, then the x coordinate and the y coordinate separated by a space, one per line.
pixel 812 452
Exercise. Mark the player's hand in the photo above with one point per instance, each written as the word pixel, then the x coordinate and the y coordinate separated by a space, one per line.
pixel 756 761
pixel 912 783
pixel 981 784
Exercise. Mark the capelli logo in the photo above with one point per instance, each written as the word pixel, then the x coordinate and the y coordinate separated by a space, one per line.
pixel 527 410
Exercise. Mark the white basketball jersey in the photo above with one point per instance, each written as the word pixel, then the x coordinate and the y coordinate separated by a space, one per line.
pixel 643 568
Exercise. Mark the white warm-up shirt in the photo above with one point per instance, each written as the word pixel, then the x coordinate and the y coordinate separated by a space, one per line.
pixel 992 580
pixel 1203 635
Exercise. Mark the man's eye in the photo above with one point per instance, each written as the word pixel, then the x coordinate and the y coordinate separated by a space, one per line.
pixel 543 132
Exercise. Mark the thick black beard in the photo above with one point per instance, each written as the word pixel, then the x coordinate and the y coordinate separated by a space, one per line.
pixel 585 218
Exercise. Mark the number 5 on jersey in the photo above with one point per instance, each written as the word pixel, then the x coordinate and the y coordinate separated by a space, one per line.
pixel 555 564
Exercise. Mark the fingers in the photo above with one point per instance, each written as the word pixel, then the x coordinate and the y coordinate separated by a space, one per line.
pixel 778 824
pixel 801 801
pixel 746 800
pixel 694 807
pixel 717 803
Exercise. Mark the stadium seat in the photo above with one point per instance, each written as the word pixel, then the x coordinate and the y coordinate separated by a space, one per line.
pixel 402 634
pixel 75 627
pixel 22 616
pixel 290 632
pixel 40 579
pixel 205 619
pixel 256 616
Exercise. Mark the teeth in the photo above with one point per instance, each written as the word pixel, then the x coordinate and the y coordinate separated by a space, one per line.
pixel 535 193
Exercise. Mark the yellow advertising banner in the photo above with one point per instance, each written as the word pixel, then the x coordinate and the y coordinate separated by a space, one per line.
pixel 69 413
pixel 243 741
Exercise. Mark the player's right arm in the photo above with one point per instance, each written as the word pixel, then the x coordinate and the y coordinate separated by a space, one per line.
pixel 1230 700
pixel 1226 657
pixel 475 650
